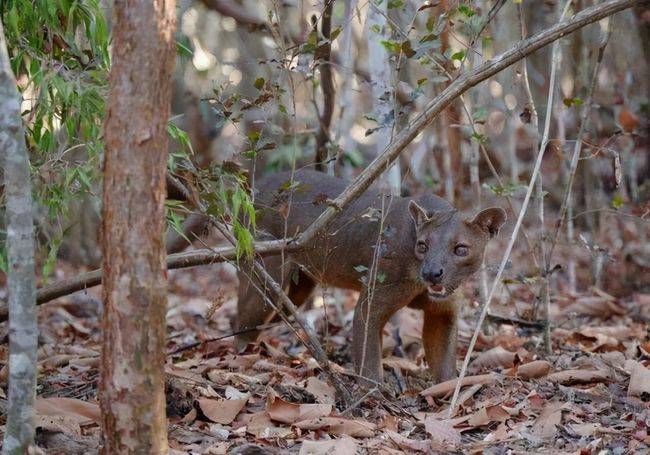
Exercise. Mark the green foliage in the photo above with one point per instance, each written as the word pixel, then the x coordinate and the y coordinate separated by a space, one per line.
pixel 59 54
pixel 510 189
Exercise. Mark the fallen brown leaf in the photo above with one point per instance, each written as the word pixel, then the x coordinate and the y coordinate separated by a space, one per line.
pixel 81 411
pixel 442 432
pixel 547 422
pixel 496 357
pixel 600 306
pixel 488 414
pixel 261 426
pixel 339 426
pixel 58 424
pixel 577 377
pixel 221 411
pixel 442 389
pixel 286 412
pixel 400 363
pixel 639 379
pixel 404 443
pixel 345 445
pixel 531 370
pixel 323 392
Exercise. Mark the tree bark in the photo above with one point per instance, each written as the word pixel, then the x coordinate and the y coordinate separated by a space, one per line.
pixel 132 395
pixel 21 282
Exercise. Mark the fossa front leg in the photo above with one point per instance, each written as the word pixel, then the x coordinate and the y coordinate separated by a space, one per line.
pixel 439 333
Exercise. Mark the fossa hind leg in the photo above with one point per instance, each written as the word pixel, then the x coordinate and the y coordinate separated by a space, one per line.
pixel 368 326
pixel 252 308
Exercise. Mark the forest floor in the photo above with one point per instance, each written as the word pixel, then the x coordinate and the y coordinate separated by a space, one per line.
pixel 590 394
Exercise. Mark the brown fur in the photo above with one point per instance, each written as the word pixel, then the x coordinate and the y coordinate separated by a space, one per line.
pixel 416 249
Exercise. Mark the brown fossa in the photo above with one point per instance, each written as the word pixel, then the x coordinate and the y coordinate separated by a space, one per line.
pixel 419 249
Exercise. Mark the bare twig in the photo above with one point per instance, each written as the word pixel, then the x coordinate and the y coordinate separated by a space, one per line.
pixel 374 169
pixel 531 112
pixel 196 344
pixel 516 321
pixel 584 120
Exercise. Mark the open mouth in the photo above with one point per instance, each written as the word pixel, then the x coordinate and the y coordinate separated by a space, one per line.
pixel 436 290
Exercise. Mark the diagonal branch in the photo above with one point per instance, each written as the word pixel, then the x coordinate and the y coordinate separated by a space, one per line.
pixel 382 162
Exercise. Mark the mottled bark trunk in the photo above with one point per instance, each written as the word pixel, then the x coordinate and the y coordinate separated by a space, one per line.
pixel 21 283
pixel 132 385
pixel 383 91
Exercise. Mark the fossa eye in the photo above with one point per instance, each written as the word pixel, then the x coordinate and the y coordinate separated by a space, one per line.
pixel 461 250
pixel 422 247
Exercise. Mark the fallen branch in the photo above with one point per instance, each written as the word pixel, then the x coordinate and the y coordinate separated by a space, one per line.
pixel 536 324
pixel 380 164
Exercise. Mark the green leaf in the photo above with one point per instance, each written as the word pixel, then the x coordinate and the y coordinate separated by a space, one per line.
pixel 395 4
pixel 617 201
pixel 183 50
pixel 480 138
pixel 259 83
pixel 466 11
pixel 568 102
pixel 391 46
pixel 253 136
pixel 460 55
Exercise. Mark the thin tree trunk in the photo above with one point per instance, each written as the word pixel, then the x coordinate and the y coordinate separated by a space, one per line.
pixel 346 108
pixel 324 56
pixel 21 282
pixel 383 95
pixel 132 395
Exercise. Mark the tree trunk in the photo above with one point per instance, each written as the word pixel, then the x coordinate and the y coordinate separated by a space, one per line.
pixel 134 274
pixel 383 93
pixel 21 282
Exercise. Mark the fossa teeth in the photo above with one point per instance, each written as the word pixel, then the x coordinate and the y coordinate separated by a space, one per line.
pixel 437 289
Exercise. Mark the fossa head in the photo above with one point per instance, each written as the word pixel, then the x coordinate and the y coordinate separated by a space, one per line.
pixel 449 247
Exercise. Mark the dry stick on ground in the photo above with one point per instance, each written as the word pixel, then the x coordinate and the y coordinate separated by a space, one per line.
pixel 21 281
pixel 506 255
pixel 575 158
pixel 377 166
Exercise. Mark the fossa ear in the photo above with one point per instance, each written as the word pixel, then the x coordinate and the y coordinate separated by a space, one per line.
pixel 419 216
pixel 422 218
pixel 490 220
